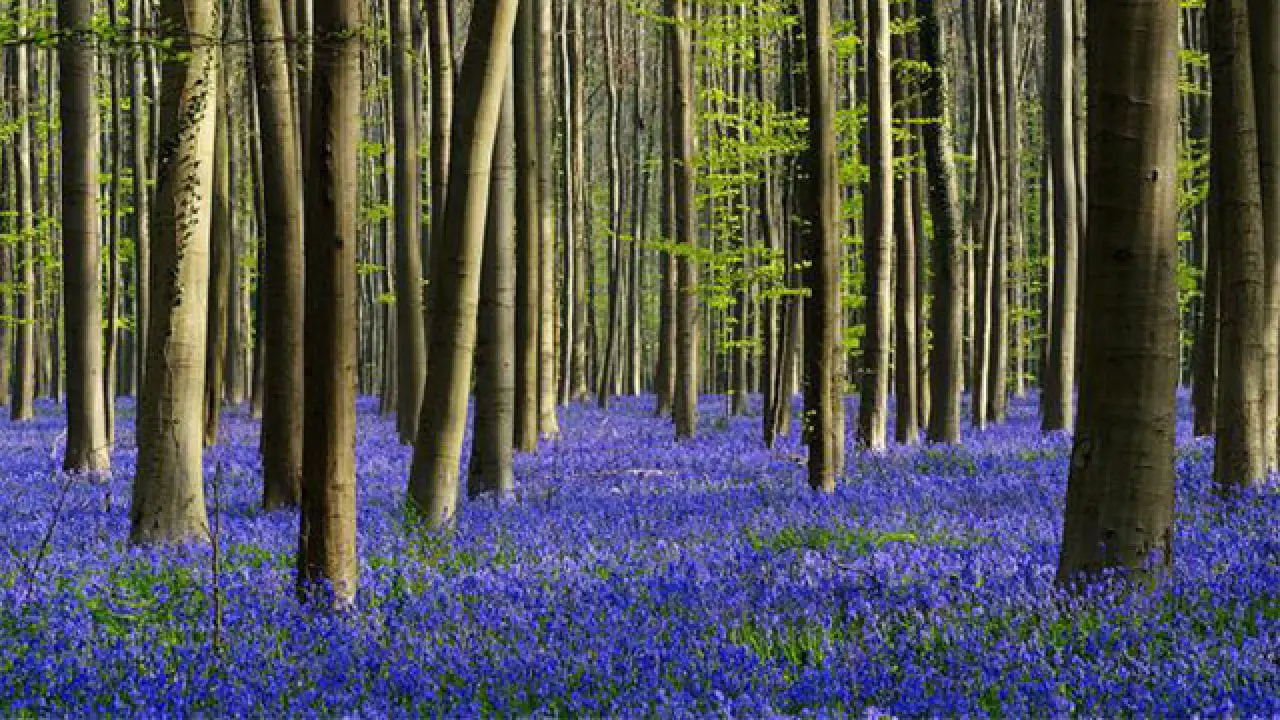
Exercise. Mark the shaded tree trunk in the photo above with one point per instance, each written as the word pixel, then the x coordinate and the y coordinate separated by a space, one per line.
pixel 281 314
pixel 821 239
pixel 947 320
pixel 1238 226
pixel 327 566
pixel 491 470
pixel 1120 495
pixel 86 449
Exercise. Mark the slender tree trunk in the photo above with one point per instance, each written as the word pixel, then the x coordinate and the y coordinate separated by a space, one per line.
pixel 582 276
pixel 440 42
pixel 873 410
pixel 24 360
pixel 1239 227
pixel 528 227
pixel 168 489
pixel 411 358
pixel 548 419
pixel 609 359
pixel 1056 403
pixel 1120 496
pixel 281 315
pixel 680 59
pixel 327 567
pixel 665 364
pixel 455 277
pixel 221 256
pixel 906 332
pixel 821 237
pixel 141 195
pixel 87 448
pixel 491 470
pixel 947 321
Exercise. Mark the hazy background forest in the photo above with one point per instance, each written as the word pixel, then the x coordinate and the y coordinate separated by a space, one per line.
pixel 654 358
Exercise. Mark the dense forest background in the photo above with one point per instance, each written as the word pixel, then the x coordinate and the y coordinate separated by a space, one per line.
pixel 252 246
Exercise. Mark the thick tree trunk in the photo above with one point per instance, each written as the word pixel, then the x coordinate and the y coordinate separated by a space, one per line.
pixel 1239 228
pixel 327 566
pixel 168 489
pixel 455 277
pixel 1120 496
pixel 87 449
pixel 1264 27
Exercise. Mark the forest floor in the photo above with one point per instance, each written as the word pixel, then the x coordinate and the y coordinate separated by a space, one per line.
pixel 637 576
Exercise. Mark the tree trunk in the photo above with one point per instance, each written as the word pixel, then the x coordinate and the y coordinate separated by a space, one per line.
pixel 411 358
pixel 821 239
pixel 528 227
pixel 87 449
pixel 609 359
pixel 281 314
pixel 455 277
pixel 1056 403
pixel 1238 227
pixel 168 489
pixel 548 420
pixel 947 320
pixel 491 470
pixel 680 61
pixel 24 340
pixel 873 406
pixel 221 256
pixel 1120 496
pixel 1265 44
pixel 327 565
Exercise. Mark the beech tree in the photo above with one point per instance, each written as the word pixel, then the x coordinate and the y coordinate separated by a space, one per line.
pixel 168 489
pixel 327 567
pixel 87 449
pixel 456 262
pixel 1119 509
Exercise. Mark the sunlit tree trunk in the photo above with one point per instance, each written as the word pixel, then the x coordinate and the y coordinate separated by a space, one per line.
pixel 548 419
pixel 680 60
pixel 455 276
pixel 873 410
pixel 168 489
pixel 1057 403
pixel 24 337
